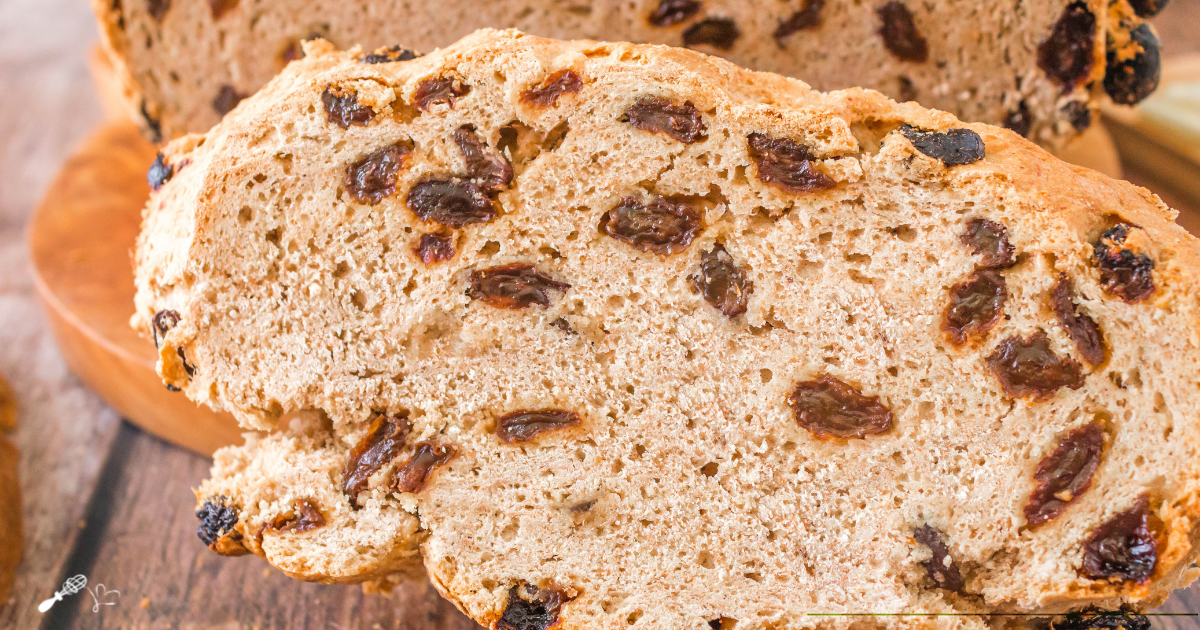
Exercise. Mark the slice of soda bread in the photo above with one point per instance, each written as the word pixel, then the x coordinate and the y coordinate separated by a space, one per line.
pixel 1038 66
pixel 604 335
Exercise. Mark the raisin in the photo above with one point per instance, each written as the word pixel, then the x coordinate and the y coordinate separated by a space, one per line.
pixel 295 49
pixel 450 202
pixel 221 7
pixel 160 172
pixel 1028 368
pixel 659 115
pixel 975 306
pixel 671 12
pixel 153 128
pixel 187 367
pixel 989 240
pixel 1148 8
pixel 1079 114
pixel 412 475
pixel 1122 548
pixel 717 32
pixel 831 408
pixel 226 99
pixel 1065 473
pixel 1067 54
pixel 158 9
pixel 373 176
pixel 786 164
pixel 899 33
pixel 443 90
pixel 342 108
pixel 564 325
pixel 491 170
pixel 538 610
pixel 546 94
pixel 907 90
pixel 306 516
pixel 722 283
pixel 218 520
pixel 513 286
pixel 941 567
pixel 523 426
pixel 1123 273
pixel 953 148
pixel 1101 620
pixel 390 54
pixel 809 16
pixel 383 441
pixel 1019 120
pixel 659 225
pixel 435 248
pixel 1082 329
pixel 1129 80
pixel 164 321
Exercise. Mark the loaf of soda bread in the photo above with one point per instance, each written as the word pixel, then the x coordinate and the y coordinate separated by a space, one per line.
pixel 607 335
pixel 1039 67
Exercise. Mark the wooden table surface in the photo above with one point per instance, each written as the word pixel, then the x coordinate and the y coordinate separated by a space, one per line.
pixel 104 499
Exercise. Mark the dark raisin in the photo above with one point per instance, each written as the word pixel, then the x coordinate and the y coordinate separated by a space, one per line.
pixel 451 202
pixel 1148 8
pixel 546 94
pixel 435 248
pixel 187 367
pixel 658 225
pixel 1027 368
pixel 671 12
pixel 295 49
pixel 1101 620
pixel 158 9
pixel 900 34
pixel 564 325
pixel 172 388
pixel 152 126
pixel 221 7
pixel 373 177
pixel 1123 273
pixel 941 567
pixel 1067 54
pixel 786 164
pixel 907 90
pixel 831 408
pixel 537 610
pixel 160 172
pixel 1082 329
pixel 1020 120
pixel 306 516
pixel 717 32
pixel 490 169
pixel 1132 73
pixel 975 306
pixel 217 529
pixel 226 99
pixel 164 321
pixel 523 426
pixel 443 90
pixel 809 16
pixel 1122 548
pixel 714 624
pixel 989 240
pixel 342 108
pixel 953 148
pixel 412 475
pixel 722 283
pixel 513 286
pixel 659 115
pixel 1065 473
pixel 1079 114
pixel 390 54
pixel 383 441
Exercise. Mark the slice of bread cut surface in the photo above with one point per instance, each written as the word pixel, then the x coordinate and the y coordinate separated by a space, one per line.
pixel 609 335
pixel 1040 67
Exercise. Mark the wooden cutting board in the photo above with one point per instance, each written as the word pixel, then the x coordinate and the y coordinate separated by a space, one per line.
pixel 80 240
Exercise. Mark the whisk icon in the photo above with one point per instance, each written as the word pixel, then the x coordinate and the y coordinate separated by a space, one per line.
pixel 70 587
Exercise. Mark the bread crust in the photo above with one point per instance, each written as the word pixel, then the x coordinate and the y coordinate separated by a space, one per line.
pixel 687 491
